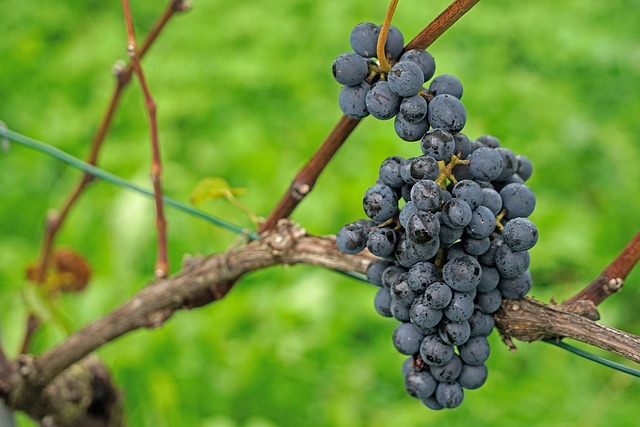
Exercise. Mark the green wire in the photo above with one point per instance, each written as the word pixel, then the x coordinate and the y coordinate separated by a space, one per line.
pixel 355 276
pixel 116 180
pixel 594 358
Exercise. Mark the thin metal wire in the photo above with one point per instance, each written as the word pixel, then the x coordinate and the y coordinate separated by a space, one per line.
pixel 116 180
pixel 356 276
pixel 594 358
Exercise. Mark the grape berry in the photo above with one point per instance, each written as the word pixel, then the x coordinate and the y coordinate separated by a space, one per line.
pixel 450 226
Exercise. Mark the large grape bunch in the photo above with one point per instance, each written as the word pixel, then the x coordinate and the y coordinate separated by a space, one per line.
pixel 451 232
pixel 398 92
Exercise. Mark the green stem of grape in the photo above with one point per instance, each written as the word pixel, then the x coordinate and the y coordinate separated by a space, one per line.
pixel 446 170
pixel 382 38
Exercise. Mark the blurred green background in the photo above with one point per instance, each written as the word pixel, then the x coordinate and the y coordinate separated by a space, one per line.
pixel 245 92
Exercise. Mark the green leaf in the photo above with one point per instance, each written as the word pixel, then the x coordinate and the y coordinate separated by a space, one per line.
pixel 214 188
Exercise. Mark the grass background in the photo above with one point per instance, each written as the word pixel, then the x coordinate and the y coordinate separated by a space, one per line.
pixel 244 92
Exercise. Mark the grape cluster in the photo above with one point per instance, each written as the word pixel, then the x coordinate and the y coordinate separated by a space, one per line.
pixel 448 257
pixel 399 92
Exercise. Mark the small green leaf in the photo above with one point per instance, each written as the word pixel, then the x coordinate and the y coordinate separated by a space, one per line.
pixel 214 188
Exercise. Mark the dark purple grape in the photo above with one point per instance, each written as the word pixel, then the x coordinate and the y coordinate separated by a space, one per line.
pixel 352 100
pixel 381 241
pixel 375 270
pixel 456 213
pixel 462 273
pixel 407 339
pixel 405 78
pixel 518 200
pixel 489 302
pixel 423 59
pixel 454 333
pixel 410 131
pixel 446 84
pixel 520 234
pixel 460 308
pixel 469 191
pixel 446 112
pixel 352 238
pixel 482 224
pixel 481 324
pixel 381 102
pixel 424 316
pixel 434 351
pixel 418 168
pixel 516 287
pixel 509 263
pixel 364 39
pixel 382 302
pixel 389 172
pixel 475 351
pixel 437 295
pixel 420 385
pixel 380 202
pixel 438 144
pixel 473 376
pixel 449 371
pixel 421 275
pixel 413 109
pixel 449 395
pixel 485 164
pixel 525 167
pixel 350 69
pixel 425 195
pixel 423 227
pixel 394 43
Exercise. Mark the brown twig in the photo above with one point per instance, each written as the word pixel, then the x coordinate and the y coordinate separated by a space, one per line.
pixel 162 262
pixel 304 181
pixel 610 280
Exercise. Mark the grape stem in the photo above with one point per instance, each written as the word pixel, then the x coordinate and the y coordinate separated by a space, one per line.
pixel 499 217
pixel 307 176
pixel 446 170
pixel 382 37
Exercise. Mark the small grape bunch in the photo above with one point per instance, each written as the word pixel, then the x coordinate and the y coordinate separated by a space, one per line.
pixel 448 257
pixel 398 92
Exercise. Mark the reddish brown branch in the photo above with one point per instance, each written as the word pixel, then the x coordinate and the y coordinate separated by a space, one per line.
pixel 162 263
pixel 305 179
pixel 612 277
